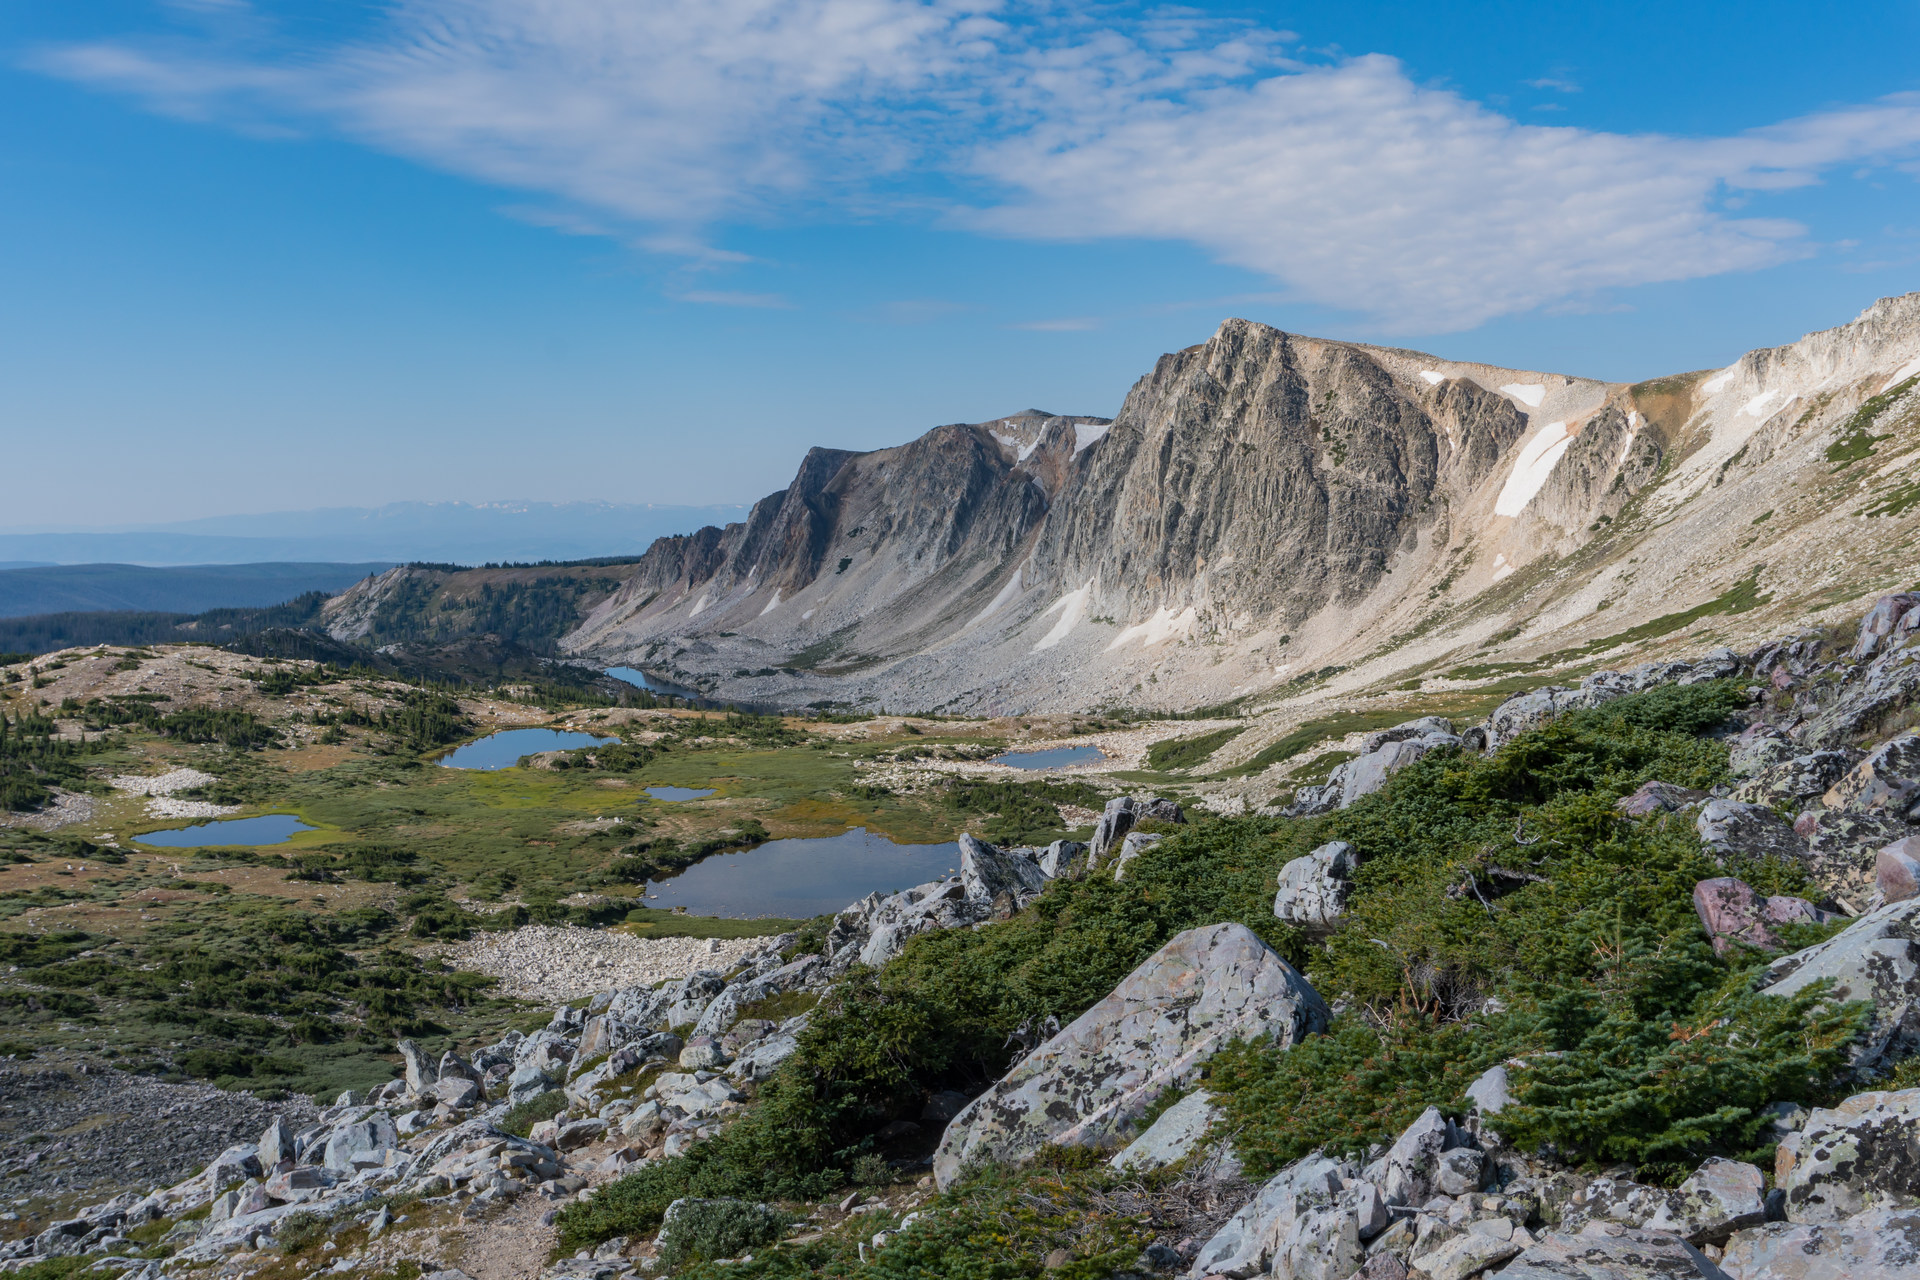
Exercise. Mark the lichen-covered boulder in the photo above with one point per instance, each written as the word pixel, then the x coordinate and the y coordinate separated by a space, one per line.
pixel 1887 780
pixel 1088 1083
pixel 1733 828
pixel 1876 958
pixel 1799 779
pixel 1883 1244
pixel 1617 1253
pixel 1863 1154
pixel 1171 1137
pixel 1248 1241
pixel 1314 887
pixel 1722 1196
pixel 1759 748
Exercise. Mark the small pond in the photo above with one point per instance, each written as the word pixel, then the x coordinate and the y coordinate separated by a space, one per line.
pixel 503 750
pixel 679 793
pixel 272 828
pixel 1051 758
pixel 653 684
pixel 796 879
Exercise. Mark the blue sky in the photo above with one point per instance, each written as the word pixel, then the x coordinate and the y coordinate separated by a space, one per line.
pixel 272 256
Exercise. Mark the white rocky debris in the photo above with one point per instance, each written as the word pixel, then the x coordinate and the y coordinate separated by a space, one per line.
pixel 162 784
pixel 549 963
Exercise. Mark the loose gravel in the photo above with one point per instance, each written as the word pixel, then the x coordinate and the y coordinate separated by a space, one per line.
pixel 558 964
pixel 162 784
pixel 77 1127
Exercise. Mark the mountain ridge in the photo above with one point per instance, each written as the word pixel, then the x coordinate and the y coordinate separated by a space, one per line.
pixel 1269 506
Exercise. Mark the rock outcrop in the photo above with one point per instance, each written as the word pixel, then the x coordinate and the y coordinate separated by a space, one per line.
pixel 1877 958
pixel 1314 888
pixel 1087 1084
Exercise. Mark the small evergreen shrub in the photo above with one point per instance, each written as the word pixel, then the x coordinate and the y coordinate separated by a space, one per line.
pixel 703 1230
pixel 521 1117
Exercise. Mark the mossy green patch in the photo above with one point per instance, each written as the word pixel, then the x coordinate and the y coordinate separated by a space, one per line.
pixel 1187 753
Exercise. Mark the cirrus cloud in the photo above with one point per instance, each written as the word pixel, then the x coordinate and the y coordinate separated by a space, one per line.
pixel 1347 182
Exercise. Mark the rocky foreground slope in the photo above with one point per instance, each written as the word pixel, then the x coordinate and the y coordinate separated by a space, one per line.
pixel 1268 506
pixel 642 1078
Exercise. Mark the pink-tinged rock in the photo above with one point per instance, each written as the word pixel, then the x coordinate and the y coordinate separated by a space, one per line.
pixel 1892 617
pixel 1896 870
pixel 1658 797
pixel 1731 911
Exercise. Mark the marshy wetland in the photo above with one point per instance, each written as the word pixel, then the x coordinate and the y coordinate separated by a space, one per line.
pixel 286 943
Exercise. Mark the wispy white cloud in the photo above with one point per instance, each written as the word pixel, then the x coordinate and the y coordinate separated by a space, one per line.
pixel 1346 182
pixel 1558 84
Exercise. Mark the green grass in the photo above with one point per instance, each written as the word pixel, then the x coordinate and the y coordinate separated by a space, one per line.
pixel 1741 597
pixel 1314 732
pixel 1187 753
pixel 1856 439
pixel 521 1117
pixel 1895 502
pixel 651 922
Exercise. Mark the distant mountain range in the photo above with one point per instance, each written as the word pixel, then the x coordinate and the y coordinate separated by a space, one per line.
pixel 441 532
pixel 74 588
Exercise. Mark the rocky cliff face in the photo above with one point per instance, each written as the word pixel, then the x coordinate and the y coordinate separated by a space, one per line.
pixel 1267 506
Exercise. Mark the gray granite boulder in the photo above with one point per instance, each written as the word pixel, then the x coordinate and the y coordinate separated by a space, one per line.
pixel 1118 818
pixel 1540 707
pixel 1733 828
pixel 1887 780
pixel 1413 1162
pixel 361 1145
pixel 1888 625
pixel 1863 1154
pixel 1086 1085
pixel 1314 887
pixel 1491 1092
pixel 420 1069
pixel 1369 772
pixel 1249 1240
pixel 1882 1244
pixel 726 1007
pixel 1876 958
pixel 988 873
pixel 1057 858
pixel 1615 1253
pixel 1171 1137
pixel 527 1083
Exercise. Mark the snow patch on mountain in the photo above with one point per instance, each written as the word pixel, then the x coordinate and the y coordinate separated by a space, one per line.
pixel 1531 468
